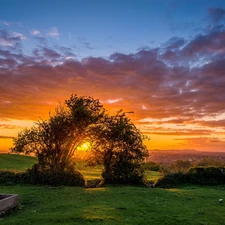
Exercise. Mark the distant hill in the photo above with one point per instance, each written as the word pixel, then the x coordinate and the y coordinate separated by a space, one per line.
pixel 168 156
pixel 16 162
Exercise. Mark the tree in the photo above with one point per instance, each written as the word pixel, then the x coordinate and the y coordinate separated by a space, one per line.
pixel 115 140
pixel 121 147
pixel 180 166
pixel 55 141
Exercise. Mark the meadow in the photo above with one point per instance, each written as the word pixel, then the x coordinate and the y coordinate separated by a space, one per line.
pixel 16 162
pixel 195 205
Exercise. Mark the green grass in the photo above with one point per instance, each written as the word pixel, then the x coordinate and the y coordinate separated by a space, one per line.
pixel 151 176
pixel 89 172
pixel 116 205
pixel 16 162
pixel 21 163
pixel 111 205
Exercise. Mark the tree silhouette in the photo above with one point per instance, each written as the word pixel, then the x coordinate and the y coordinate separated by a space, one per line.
pixel 55 141
pixel 120 145
pixel 114 140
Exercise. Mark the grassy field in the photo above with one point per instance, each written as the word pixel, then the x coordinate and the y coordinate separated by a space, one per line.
pixel 16 162
pixel 116 205
pixel 21 163
pixel 190 205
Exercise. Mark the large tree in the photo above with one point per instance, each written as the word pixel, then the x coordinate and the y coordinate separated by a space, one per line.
pixel 54 141
pixel 120 146
pixel 115 140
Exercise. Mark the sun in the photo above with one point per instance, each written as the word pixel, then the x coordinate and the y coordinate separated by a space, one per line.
pixel 84 147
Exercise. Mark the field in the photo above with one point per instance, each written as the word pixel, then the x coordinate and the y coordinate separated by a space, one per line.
pixel 187 205
pixel 16 162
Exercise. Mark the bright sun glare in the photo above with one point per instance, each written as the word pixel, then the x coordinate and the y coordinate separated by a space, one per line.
pixel 85 146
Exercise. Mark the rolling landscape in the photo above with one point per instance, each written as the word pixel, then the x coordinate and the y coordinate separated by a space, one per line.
pixel 112 112
pixel 169 156
pixel 190 204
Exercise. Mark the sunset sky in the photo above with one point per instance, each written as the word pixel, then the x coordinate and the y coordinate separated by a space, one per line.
pixel 162 59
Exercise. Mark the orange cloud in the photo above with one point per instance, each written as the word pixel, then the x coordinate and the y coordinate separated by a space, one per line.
pixel 176 85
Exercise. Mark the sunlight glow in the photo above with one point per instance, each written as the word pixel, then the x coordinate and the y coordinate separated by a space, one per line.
pixel 84 147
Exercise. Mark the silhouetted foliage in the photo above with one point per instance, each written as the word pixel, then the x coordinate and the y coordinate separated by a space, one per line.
pixel 210 175
pixel 121 149
pixel 54 141
pixel 180 166
pixel 152 166
pixel 11 177
pixel 115 141
pixel 210 161
pixel 38 175
pixel 197 175
pixel 170 180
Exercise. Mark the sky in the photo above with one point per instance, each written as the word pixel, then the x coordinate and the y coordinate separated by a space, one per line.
pixel 162 59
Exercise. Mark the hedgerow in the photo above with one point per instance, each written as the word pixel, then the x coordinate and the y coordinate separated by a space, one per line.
pixel 40 176
pixel 210 175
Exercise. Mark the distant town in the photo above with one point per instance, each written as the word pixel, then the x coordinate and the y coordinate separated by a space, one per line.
pixel 169 156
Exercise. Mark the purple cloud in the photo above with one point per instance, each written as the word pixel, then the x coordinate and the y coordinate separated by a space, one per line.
pixel 183 80
pixel 216 15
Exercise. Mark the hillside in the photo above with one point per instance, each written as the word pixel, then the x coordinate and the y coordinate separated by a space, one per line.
pixel 169 156
pixel 16 162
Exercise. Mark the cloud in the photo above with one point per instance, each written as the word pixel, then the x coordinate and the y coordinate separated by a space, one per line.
pixel 111 101
pixel 5 137
pixel 10 126
pixel 53 33
pixel 216 15
pixel 6 23
pixel 139 79
pixel 175 43
pixel 209 143
pixel 35 32
pixel 176 85
pixel 9 40
pixel 184 132
pixel 84 43
pixel 20 36
pixel 49 53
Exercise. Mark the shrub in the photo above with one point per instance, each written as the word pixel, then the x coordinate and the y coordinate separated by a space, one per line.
pixel 152 166
pixel 10 177
pixel 207 175
pixel 172 180
pixel 133 177
pixel 180 166
pixel 45 176
pixel 209 161
pixel 197 175
pixel 38 175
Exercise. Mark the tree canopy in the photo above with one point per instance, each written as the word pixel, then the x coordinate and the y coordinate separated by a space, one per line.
pixel 114 139
pixel 119 144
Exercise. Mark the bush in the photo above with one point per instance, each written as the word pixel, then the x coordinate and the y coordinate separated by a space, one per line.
pixel 44 176
pixel 209 161
pixel 10 177
pixel 207 175
pixel 172 180
pixel 180 166
pixel 197 175
pixel 125 176
pixel 152 166
pixel 37 175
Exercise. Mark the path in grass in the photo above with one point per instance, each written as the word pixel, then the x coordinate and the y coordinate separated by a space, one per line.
pixel 116 205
